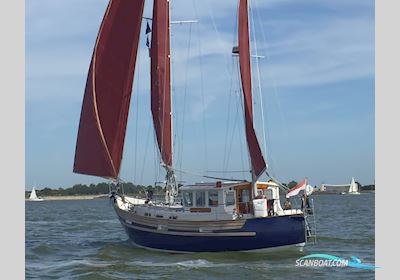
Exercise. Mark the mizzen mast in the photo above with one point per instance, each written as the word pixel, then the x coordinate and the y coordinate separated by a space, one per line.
pixel 258 165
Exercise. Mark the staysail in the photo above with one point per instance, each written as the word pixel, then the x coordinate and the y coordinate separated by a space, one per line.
pixel 161 79
pixel 107 96
pixel 257 159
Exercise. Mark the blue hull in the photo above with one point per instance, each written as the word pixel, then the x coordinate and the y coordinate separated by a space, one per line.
pixel 266 233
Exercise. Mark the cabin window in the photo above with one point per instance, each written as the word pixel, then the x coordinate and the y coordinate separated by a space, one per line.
pixel 213 198
pixel 188 199
pixel 230 198
pixel 200 199
pixel 245 197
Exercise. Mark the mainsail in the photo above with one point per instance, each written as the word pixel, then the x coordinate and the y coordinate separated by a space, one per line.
pixel 161 79
pixel 107 96
pixel 257 159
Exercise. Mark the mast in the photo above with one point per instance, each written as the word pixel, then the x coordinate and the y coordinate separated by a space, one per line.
pixel 161 87
pixel 171 184
pixel 258 165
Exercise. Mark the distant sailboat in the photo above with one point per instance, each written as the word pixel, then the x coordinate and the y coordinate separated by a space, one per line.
pixel 33 196
pixel 353 187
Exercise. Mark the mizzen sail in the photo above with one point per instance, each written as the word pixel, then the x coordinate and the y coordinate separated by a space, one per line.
pixel 161 79
pixel 107 96
pixel 257 159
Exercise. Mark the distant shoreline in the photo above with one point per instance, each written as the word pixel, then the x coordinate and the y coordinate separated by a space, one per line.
pixel 74 197
pixel 104 196
pixel 333 193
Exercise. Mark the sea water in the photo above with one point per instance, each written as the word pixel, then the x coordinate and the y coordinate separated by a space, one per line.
pixel 84 240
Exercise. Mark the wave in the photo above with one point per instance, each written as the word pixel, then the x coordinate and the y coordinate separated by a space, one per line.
pixel 369 240
pixel 67 264
pixel 199 263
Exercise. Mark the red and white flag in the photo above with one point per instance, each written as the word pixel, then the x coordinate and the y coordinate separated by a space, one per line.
pixel 299 187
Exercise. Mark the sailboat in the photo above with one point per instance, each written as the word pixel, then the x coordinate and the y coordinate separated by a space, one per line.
pixel 353 189
pixel 33 196
pixel 215 216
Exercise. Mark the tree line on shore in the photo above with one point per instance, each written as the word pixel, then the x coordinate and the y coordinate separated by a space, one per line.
pixel 128 188
pixel 97 189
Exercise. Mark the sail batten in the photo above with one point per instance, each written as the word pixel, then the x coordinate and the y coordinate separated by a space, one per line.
pixel 160 54
pixel 257 160
pixel 105 108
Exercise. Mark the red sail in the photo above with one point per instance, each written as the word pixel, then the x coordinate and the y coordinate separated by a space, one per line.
pixel 161 79
pixel 107 96
pixel 257 160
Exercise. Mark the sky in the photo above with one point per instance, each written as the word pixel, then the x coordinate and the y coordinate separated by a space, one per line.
pixel 314 98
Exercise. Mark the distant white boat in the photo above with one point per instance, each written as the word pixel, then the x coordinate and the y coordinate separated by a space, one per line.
pixel 353 187
pixel 33 196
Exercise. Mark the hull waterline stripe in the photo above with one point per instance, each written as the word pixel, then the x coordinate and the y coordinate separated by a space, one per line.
pixel 296 247
pixel 235 234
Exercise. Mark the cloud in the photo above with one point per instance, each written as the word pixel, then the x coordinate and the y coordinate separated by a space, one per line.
pixel 60 39
pixel 309 44
pixel 336 51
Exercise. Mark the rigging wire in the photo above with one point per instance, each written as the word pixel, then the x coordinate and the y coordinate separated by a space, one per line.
pixel 274 86
pixel 228 121
pixel 243 126
pixel 145 152
pixel 149 128
pixel 184 103
pixel 230 171
pixel 157 157
pixel 229 146
pixel 208 177
pixel 211 14
pixel 225 161
pixel 240 105
pixel 241 137
pixel 155 160
pixel 202 92
pixel 174 115
pixel 241 130
pixel 231 138
pixel 259 83
pixel 231 91
pixel 137 114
